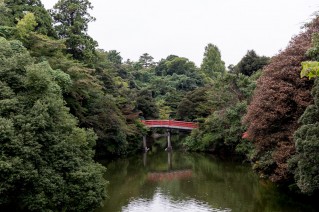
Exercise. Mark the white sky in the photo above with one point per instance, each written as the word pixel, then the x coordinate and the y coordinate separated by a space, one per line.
pixel 185 27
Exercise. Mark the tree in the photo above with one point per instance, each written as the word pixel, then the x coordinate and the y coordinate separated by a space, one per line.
pixel 220 108
pixel 4 14
pixel 168 81
pixel 193 105
pixel 305 163
pixel 146 60
pixel 147 105
pixel 175 65
pixel 101 100
pixel 181 73
pixel 279 100
pixel 212 62
pixel 17 10
pixel 96 109
pixel 310 69
pixel 180 66
pixel 26 25
pixel 72 18
pixel 46 159
pixel 251 63
pixel 231 68
pixel 115 57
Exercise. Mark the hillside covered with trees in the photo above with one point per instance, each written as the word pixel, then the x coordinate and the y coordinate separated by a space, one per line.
pixel 64 102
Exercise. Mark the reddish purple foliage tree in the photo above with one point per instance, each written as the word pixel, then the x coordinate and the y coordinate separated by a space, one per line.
pixel 279 100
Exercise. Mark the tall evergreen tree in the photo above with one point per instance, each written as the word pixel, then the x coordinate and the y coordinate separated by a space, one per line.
pixel 251 63
pixel 212 62
pixel 114 57
pixel 146 60
pixel 72 18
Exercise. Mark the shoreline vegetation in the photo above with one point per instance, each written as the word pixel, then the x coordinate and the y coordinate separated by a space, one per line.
pixel 64 102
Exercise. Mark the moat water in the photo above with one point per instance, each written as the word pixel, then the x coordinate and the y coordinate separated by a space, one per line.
pixel 190 182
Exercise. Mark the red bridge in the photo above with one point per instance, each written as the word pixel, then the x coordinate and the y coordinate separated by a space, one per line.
pixel 170 124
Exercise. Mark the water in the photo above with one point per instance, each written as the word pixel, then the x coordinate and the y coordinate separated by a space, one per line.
pixel 187 182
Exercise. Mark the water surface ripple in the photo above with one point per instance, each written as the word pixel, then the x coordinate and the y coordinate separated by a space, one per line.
pixel 190 182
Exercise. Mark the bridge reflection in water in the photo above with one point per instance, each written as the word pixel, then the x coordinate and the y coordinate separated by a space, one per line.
pixel 215 185
pixel 167 124
pixel 170 174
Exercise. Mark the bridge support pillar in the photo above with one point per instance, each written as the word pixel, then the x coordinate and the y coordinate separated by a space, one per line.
pixel 144 144
pixel 145 158
pixel 169 144
pixel 169 160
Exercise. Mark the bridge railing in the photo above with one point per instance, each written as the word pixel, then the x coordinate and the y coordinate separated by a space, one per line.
pixel 170 123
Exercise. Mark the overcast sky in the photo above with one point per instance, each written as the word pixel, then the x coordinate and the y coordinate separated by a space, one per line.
pixel 185 27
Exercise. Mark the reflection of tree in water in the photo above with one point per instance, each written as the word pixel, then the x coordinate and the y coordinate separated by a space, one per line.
pixel 185 176
pixel 125 179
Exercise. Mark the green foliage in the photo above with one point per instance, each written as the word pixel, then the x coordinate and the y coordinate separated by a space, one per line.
pixel 98 98
pixel 251 63
pixel 194 105
pixel 46 160
pixel 7 32
pixel 313 52
pixel 4 12
pixel 164 110
pixel 114 57
pixel 146 60
pixel 168 81
pixel 212 64
pixel 147 105
pixel 305 162
pixel 225 101
pixel 18 9
pixel 71 18
pixel 222 130
pixel 101 99
pixel 310 69
pixel 228 89
pixel 26 25
pixel 96 110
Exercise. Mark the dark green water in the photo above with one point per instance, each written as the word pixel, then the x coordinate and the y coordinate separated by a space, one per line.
pixel 187 182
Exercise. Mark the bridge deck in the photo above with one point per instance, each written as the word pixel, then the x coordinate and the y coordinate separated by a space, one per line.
pixel 171 124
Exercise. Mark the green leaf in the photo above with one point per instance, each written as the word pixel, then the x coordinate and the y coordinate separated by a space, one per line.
pixel 310 69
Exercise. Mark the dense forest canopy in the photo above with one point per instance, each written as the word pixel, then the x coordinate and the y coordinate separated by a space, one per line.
pixel 42 148
pixel 64 102
pixel 281 97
